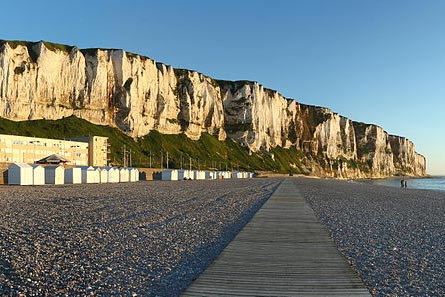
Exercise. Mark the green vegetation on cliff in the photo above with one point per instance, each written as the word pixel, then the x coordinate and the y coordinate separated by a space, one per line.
pixel 49 45
pixel 206 153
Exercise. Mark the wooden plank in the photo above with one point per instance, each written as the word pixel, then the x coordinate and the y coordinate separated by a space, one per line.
pixel 283 251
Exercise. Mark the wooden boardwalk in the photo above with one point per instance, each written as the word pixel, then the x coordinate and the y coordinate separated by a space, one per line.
pixel 282 251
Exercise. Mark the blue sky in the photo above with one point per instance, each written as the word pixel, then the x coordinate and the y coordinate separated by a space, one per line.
pixel 380 62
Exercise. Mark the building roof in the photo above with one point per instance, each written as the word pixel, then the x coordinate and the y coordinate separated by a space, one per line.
pixel 52 159
pixel 21 165
pixel 34 166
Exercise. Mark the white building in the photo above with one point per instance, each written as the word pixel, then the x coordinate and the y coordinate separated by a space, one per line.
pixel 238 174
pixel 54 175
pixel 98 149
pixel 224 174
pixel 102 174
pixel 91 150
pixel 199 174
pixel 169 174
pixel 211 175
pixel 73 175
pixel 89 175
pixel 38 175
pixel 124 175
pixel 184 174
pixel 113 175
pixel 20 174
pixel 134 174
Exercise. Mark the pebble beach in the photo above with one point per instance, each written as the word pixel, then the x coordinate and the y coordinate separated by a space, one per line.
pixel 393 237
pixel 155 238
pixel 138 239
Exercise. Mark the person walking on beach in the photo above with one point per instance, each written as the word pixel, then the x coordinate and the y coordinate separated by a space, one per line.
pixel 405 184
pixel 402 183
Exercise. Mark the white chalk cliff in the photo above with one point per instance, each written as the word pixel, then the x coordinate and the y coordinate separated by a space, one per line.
pixel 41 80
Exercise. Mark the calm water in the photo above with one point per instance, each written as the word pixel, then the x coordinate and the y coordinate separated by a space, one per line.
pixel 433 183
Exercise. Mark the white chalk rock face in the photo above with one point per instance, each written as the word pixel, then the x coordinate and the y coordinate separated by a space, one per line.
pixel 405 157
pixel 39 83
pixel 335 137
pixel 143 96
pixel 137 95
pixel 200 104
pixel 255 116
pixel 374 148
pixel 107 87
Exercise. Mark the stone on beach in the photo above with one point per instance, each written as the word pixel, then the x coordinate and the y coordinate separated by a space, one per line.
pixel 146 238
pixel 393 238
pixel 154 238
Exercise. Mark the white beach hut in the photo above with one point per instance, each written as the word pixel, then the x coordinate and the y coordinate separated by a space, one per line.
pixel 20 174
pixel 113 175
pixel 170 174
pixel 210 175
pixel 134 174
pixel 38 175
pixel 184 174
pixel 239 174
pixel 54 175
pixel 73 175
pixel 199 174
pixel 124 175
pixel 89 175
pixel 102 174
pixel 224 174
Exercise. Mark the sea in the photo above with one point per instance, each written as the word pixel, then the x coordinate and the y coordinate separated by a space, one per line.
pixel 430 183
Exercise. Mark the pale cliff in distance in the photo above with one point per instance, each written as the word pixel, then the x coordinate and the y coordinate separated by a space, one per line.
pixel 41 80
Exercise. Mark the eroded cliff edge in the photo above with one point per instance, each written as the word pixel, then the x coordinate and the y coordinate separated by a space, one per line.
pixel 41 80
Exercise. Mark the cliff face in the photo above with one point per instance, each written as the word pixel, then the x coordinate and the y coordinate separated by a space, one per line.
pixel 107 87
pixel 137 95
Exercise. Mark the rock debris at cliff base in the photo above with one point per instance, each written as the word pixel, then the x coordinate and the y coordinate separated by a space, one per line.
pixel 148 238
pixel 393 237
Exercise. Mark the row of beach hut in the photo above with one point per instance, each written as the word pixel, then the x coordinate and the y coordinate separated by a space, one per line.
pixel 182 174
pixel 26 174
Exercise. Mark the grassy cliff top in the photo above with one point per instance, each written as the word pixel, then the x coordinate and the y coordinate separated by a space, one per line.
pixel 49 45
